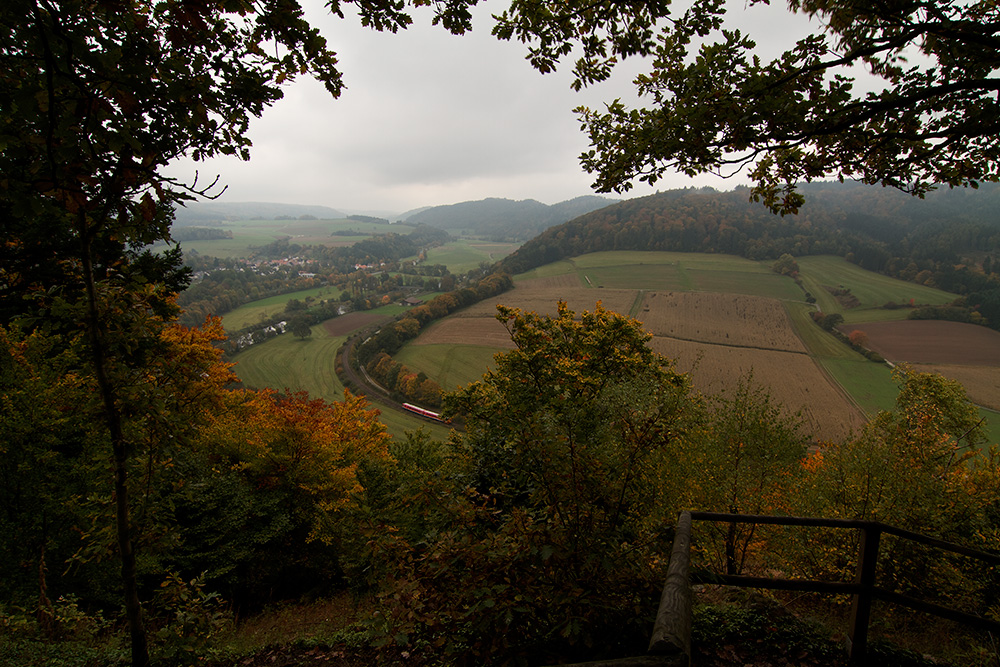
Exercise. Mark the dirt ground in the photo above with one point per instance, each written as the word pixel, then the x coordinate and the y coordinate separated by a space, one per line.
pixel 794 380
pixel 345 324
pixel 933 342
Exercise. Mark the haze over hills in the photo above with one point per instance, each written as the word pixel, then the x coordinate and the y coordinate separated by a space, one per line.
pixel 506 219
pixel 493 218
pixel 212 212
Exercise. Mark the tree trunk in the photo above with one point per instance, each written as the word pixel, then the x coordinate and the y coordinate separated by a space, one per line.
pixel 112 416
pixel 731 566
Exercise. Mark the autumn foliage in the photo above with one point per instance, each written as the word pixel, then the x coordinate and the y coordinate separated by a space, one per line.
pixel 540 533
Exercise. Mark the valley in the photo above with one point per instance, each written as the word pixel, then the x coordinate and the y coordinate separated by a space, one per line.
pixel 720 317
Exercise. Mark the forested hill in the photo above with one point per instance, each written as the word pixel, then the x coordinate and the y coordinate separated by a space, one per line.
pixel 948 239
pixel 506 219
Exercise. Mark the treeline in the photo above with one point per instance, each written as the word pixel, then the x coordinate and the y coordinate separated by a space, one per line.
pixel 297 318
pixel 506 220
pixel 368 218
pixel 375 354
pixel 389 247
pixel 181 234
pixel 945 241
pixel 222 285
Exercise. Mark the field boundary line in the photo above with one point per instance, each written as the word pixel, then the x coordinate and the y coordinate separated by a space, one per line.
pixel 840 387
pixel 733 345
pixel 640 298
pixel 793 325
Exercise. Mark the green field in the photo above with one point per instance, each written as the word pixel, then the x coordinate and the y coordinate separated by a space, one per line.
pixel 667 271
pixel 252 313
pixel 820 343
pixel 464 255
pixel 451 366
pixel 869 384
pixel 250 234
pixel 872 290
pixel 872 387
pixel 295 363
pixel 992 418
pixel 555 269
pixel 308 365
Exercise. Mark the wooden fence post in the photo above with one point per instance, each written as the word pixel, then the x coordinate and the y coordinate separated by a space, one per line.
pixel 861 608
pixel 672 630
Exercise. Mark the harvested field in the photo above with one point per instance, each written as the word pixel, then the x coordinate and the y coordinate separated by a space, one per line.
pixel 794 380
pixel 477 324
pixel 726 319
pixel 543 300
pixel 486 331
pixel 932 342
pixel 565 281
pixel 982 383
pixel 345 324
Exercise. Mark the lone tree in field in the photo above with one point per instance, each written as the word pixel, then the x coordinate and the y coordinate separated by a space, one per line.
pixel 933 116
pixel 300 325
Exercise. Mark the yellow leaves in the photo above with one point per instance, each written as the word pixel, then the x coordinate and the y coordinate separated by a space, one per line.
pixel 307 449
pixel 192 364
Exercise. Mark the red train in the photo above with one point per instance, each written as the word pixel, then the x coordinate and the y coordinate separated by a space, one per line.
pixel 423 412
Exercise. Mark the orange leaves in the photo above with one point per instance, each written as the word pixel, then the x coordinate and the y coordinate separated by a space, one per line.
pixel 196 365
pixel 307 449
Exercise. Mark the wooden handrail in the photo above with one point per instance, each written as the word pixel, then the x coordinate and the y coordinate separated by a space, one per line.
pixel 671 633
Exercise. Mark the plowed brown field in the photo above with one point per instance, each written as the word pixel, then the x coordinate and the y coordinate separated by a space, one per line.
pixel 793 379
pixel 720 336
pixel 483 330
pixel 933 342
pixel 564 281
pixel 726 319
pixel 543 300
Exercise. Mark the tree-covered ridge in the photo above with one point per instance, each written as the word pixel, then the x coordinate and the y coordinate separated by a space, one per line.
pixel 504 219
pixel 947 240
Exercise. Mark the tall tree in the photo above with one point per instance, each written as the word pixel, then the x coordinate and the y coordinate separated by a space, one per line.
pixel 712 105
pixel 910 467
pixel 558 491
pixel 574 423
pixel 745 465
pixel 98 96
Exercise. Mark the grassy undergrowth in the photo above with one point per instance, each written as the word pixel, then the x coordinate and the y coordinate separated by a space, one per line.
pixel 742 627
pixel 730 628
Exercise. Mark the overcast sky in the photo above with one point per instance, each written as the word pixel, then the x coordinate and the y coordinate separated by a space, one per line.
pixel 429 118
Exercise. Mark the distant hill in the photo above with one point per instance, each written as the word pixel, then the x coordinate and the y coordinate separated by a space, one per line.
pixel 210 212
pixel 506 219
pixel 870 224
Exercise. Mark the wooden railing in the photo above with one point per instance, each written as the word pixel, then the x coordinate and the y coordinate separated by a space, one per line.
pixel 672 631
